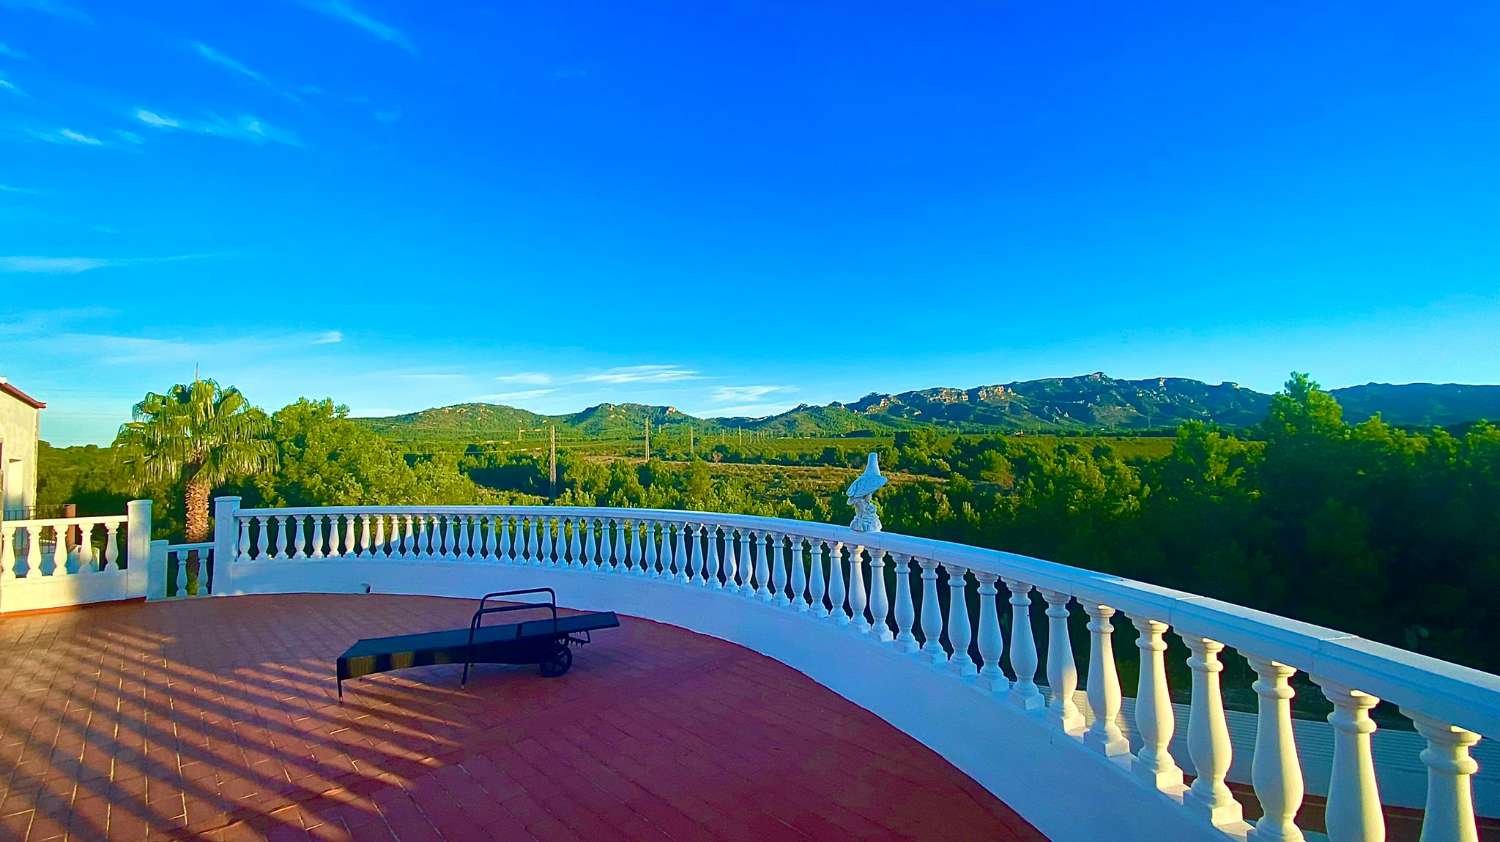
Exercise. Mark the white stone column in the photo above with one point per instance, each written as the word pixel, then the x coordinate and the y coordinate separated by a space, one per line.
pixel 1104 734
pixel 880 605
pixel 1062 671
pixel 932 613
pixel 836 591
pixel 906 613
pixel 1153 712
pixel 799 574
pixel 138 578
pixel 1275 769
pixel 1353 809
pixel 1450 786
pixel 857 598
pixel 1023 658
pixel 991 641
pixel 959 636
pixel 1208 736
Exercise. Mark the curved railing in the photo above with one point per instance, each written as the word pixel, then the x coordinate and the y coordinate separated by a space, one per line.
pixel 938 603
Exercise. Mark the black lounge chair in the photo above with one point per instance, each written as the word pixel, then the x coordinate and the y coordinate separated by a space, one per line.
pixel 542 642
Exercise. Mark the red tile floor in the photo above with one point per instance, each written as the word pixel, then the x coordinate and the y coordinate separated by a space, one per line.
pixel 217 719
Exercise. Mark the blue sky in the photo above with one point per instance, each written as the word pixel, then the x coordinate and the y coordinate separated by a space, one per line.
pixel 736 207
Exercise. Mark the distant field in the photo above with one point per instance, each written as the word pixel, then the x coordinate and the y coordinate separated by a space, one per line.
pixel 673 446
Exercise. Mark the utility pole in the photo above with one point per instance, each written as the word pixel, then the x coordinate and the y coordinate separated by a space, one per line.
pixel 553 469
pixel 648 438
pixel 691 453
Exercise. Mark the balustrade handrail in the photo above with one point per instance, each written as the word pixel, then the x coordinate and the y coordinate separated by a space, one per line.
pixel 78 520
pixel 1464 696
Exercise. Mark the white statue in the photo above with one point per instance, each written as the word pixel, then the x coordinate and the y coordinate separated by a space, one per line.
pixel 866 517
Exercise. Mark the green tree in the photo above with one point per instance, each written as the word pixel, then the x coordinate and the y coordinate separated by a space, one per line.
pixel 200 435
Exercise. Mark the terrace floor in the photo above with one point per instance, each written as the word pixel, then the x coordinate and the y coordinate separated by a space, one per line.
pixel 217 718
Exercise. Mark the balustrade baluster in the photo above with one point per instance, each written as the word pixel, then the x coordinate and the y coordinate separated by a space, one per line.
pixel 295 530
pixel 931 613
pixel 262 538
pixel 1450 789
pixel 365 550
pixel 179 561
pixel 857 597
pixel 33 551
pixel 1104 683
pixel 959 635
pixel 347 548
pixel 382 548
pixel 837 593
pixel 728 561
pixel 1275 770
pixel 507 550
pixel 700 553
pixel 905 609
pixel 880 604
pixel 632 560
pixel 684 568
pixel 484 540
pixel 316 550
pixel 7 552
pixel 818 585
pixel 1062 672
pixel 991 640
pixel 1154 716
pixel 60 551
pixel 86 546
pixel 445 535
pixel 242 547
pixel 745 564
pixel 762 567
pixel 616 544
pixel 336 535
pixel 658 555
pixel 715 564
pixel 1023 658
pixel 408 536
pixel 111 545
pixel 1208 736
pixel 779 571
pixel 798 562
pixel 556 543
pixel 1353 808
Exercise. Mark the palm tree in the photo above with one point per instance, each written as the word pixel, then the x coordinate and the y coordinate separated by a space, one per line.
pixel 201 434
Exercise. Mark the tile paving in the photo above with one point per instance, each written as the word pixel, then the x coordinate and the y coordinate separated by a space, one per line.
pixel 217 719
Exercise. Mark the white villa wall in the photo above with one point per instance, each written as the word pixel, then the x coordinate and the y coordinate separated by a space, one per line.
pixel 19 431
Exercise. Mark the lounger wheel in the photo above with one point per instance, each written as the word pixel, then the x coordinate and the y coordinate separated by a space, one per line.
pixel 558 661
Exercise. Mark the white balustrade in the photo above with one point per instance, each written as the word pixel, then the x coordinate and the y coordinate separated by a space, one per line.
pixel 817 571
pixel 1104 735
pixel 1208 736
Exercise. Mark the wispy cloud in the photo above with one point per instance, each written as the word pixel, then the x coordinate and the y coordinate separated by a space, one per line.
pixel 641 374
pixel 329 337
pixel 34 265
pixel 233 65
pixel 8 51
pixel 346 12
pixel 523 395
pixel 11 188
pixel 49 7
pixel 530 378
pixel 151 118
pixel 10 87
pixel 114 349
pixel 725 394
pixel 387 115
pixel 67 137
pixel 247 127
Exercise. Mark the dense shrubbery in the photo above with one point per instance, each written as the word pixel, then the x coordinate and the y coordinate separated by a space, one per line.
pixel 1386 533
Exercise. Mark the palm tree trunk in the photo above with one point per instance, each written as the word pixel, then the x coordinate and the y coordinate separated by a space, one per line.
pixel 195 510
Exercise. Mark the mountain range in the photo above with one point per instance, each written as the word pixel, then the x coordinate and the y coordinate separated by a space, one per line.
pixel 1086 403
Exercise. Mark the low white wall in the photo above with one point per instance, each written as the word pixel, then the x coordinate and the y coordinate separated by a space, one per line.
pixel 34 593
pixel 1066 791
